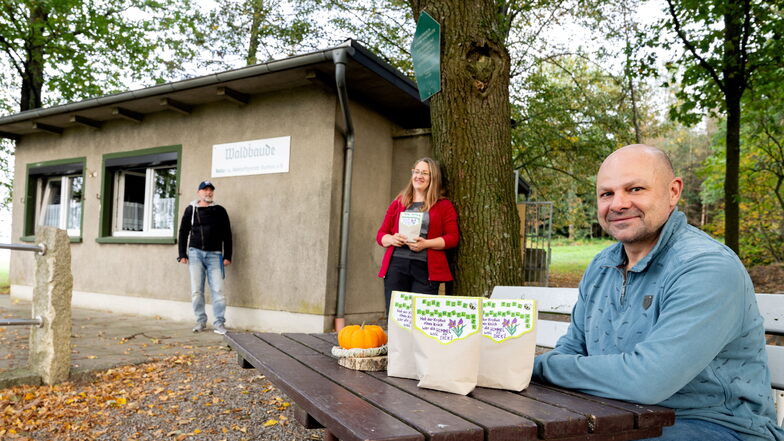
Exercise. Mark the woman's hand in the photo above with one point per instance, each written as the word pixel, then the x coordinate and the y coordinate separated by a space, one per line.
pixel 419 245
pixel 395 240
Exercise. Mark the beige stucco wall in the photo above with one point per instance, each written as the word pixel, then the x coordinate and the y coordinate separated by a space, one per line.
pixel 286 226
pixel 281 222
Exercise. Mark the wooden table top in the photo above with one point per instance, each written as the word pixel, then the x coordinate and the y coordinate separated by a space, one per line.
pixel 358 406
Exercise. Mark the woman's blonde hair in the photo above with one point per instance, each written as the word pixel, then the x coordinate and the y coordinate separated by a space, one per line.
pixel 435 189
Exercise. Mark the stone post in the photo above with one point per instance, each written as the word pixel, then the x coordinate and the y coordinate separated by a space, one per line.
pixel 50 345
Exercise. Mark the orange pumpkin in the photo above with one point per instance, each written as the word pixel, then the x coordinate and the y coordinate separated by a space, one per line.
pixel 364 336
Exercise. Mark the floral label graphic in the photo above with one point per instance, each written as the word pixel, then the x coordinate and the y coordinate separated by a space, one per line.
pixel 505 319
pixel 401 309
pixel 446 319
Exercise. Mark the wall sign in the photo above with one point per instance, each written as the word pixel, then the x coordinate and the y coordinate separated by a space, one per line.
pixel 255 157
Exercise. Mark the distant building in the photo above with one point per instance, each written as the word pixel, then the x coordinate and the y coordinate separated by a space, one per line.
pixel 118 171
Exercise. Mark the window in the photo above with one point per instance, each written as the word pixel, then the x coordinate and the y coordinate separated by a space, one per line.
pixel 145 201
pixel 139 197
pixel 61 203
pixel 55 190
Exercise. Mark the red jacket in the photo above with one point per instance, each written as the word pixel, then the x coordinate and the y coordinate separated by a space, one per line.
pixel 443 224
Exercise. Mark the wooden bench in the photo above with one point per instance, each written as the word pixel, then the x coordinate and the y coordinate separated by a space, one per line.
pixel 555 308
pixel 362 406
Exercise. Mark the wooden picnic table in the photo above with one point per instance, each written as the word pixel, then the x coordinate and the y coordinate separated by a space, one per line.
pixel 357 406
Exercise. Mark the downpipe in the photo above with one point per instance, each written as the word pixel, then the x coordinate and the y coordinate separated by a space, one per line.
pixel 340 57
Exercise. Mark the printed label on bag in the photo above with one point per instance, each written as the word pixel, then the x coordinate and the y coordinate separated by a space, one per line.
pixel 401 309
pixel 505 319
pixel 446 319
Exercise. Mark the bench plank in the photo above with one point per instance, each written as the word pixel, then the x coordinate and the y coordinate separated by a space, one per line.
pixel 349 417
pixel 553 422
pixel 771 307
pixel 601 418
pixel 776 366
pixel 439 425
pixel 644 416
pixel 499 424
pixel 635 434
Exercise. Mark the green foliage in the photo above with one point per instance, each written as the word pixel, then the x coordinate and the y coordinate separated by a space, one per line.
pixel 573 117
pixel 89 48
pixel 761 182
pixel 6 174
pixel 729 46
pixel 260 30
pixel 385 27
pixel 690 151
pixel 712 53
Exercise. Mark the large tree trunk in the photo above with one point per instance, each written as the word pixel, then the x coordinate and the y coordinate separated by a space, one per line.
pixel 472 138
pixel 33 75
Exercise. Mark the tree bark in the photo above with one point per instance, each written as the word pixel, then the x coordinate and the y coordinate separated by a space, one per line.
pixel 257 10
pixel 472 139
pixel 33 75
pixel 735 83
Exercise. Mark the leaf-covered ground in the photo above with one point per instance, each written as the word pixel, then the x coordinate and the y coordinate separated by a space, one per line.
pixel 768 278
pixel 198 396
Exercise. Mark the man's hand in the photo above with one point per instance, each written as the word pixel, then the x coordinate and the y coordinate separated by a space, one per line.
pixel 226 262
pixel 184 260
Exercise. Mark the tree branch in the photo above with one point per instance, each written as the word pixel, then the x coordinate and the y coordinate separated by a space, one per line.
pixel 690 46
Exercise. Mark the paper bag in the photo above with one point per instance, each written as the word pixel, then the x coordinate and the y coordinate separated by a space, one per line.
pixel 446 342
pixel 410 224
pixel 508 343
pixel 400 347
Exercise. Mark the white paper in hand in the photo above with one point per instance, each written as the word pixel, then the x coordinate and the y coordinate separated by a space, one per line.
pixel 410 224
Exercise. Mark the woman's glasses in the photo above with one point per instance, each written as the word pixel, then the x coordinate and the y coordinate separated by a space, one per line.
pixel 420 172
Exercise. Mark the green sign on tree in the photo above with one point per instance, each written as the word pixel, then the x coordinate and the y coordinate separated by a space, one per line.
pixel 426 55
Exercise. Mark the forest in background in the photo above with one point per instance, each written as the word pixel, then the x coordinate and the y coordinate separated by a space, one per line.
pixel 585 77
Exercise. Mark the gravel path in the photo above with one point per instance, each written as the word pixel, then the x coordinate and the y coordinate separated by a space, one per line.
pixel 198 395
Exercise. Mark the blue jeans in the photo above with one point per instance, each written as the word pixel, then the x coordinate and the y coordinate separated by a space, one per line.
pixel 210 264
pixel 696 430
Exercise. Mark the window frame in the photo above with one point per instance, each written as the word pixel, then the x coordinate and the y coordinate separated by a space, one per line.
pixel 111 190
pixel 119 195
pixel 42 195
pixel 37 177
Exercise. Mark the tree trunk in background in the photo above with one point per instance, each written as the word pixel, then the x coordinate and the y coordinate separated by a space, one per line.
pixel 33 75
pixel 257 8
pixel 735 83
pixel 472 139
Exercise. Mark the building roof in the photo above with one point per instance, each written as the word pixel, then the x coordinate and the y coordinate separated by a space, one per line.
pixel 369 79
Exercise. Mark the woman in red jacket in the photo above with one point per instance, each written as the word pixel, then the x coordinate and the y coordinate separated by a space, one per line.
pixel 418 263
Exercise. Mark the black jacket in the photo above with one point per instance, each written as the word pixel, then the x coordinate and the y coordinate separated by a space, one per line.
pixel 211 230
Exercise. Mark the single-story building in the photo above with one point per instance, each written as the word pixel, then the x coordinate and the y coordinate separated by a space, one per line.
pixel 283 142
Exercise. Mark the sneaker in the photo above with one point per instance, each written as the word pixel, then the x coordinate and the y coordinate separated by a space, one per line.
pixel 199 327
pixel 220 329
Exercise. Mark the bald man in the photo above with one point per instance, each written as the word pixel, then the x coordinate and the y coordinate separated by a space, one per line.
pixel 667 315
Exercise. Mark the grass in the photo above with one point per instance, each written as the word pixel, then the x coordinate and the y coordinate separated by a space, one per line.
pixel 573 257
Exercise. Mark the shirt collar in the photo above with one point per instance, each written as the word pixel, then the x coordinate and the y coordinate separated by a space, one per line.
pixel 616 256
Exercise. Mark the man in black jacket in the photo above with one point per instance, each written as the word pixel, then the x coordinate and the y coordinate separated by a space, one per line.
pixel 205 245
